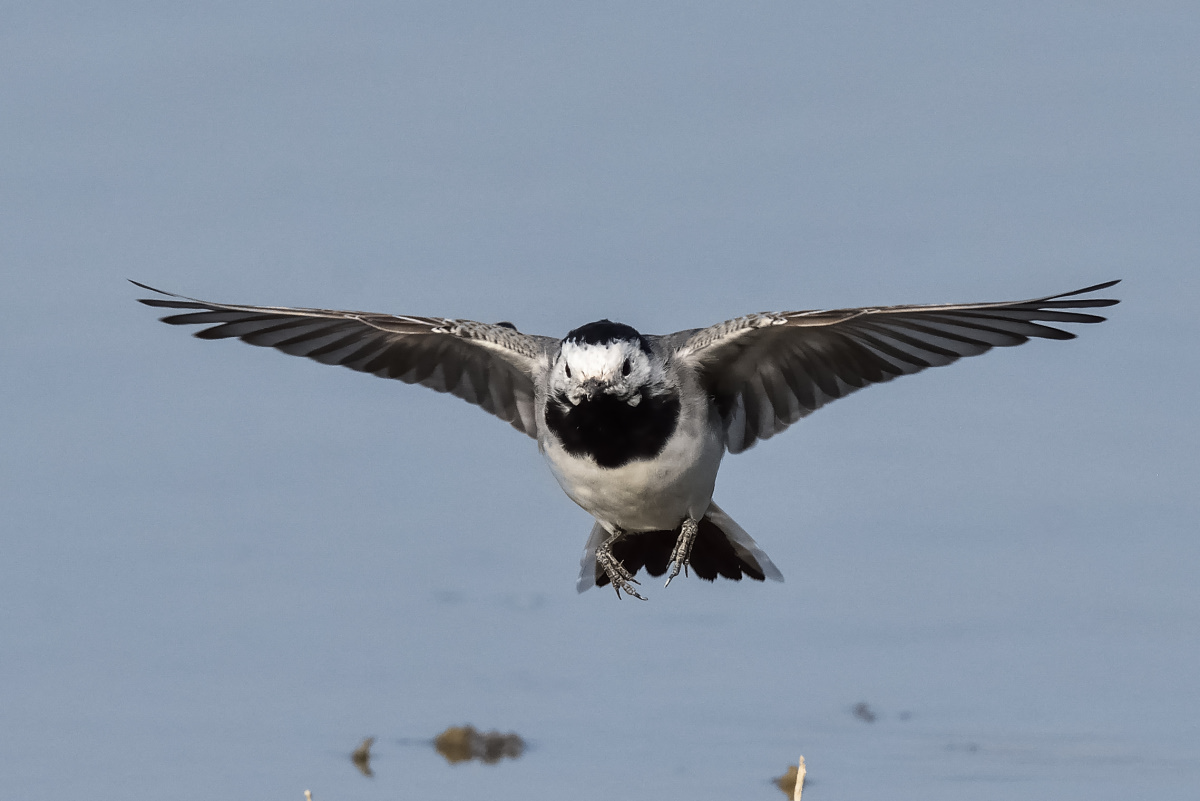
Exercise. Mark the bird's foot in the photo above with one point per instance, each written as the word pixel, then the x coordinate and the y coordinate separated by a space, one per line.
pixel 683 548
pixel 618 576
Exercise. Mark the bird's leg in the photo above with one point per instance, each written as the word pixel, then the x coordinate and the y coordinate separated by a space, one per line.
pixel 683 547
pixel 618 576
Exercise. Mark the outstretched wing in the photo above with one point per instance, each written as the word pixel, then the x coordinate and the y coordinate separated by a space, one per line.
pixel 489 365
pixel 768 370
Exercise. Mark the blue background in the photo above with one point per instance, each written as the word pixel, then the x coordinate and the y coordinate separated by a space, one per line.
pixel 221 568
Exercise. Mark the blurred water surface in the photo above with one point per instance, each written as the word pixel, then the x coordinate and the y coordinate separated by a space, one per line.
pixel 223 568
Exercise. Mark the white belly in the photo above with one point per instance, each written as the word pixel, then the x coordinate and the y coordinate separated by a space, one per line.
pixel 649 494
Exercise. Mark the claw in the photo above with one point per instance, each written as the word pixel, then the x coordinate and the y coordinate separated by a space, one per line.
pixel 683 548
pixel 618 576
pixel 629 590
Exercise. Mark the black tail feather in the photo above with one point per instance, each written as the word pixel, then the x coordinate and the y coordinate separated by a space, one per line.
pixel 712 554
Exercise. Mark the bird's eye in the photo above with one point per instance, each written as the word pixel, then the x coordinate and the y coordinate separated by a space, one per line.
pixel 626 367
pixel 568 370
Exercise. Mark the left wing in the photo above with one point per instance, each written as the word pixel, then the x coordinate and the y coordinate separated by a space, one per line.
pixel 489 365
pixel 768 370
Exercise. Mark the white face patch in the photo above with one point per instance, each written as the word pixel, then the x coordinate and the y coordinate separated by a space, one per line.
pixel 619 368
pixel 601 362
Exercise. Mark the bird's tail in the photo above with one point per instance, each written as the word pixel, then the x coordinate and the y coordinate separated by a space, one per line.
pixel 722 548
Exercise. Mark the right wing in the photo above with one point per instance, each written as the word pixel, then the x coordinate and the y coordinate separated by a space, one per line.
pixel 489 365
pixel 768 370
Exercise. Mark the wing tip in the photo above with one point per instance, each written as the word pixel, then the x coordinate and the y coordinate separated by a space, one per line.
pixel 1058 334
pixel 169 300
pixel 152 289
pixel 1095 288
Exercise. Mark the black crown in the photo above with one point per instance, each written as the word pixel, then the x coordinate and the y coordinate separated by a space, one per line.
pixel 603 332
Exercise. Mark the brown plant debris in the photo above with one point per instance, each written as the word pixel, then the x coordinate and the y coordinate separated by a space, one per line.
pixel 464 743
pixel 787 782
pixel 361 757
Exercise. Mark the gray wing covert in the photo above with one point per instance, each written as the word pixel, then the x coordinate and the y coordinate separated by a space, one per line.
pixel 768 370
pixel 491 366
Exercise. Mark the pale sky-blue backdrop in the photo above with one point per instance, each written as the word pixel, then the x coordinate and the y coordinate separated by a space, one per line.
pixel 221 567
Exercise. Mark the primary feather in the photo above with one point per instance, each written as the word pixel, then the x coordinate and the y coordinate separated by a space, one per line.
pixel 489 365
pixel 768 370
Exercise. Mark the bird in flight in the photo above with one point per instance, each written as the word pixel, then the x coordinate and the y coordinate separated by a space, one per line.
pixel 634 426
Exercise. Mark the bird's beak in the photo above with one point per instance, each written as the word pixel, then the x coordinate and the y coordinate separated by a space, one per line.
pixel 592 387
pixel 587 390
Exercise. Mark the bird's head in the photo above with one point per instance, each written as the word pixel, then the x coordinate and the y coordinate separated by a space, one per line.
pixel 604 361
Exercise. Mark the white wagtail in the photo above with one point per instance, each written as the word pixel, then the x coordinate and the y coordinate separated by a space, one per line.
pixel 634 426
